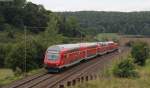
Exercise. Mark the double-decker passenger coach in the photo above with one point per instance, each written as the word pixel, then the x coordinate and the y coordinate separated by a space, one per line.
pixel 66 55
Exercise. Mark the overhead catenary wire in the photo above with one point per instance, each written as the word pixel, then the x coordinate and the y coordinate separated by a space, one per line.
pixel 25 45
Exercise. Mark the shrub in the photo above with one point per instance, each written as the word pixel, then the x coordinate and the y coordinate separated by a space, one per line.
pixel 2 55
pixel 34 56
pixel 18 71
pixel 40 52
pixel 129 43
pixel 124 68
pixel 140 52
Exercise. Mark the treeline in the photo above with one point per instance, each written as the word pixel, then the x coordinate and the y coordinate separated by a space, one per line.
pixel 93 22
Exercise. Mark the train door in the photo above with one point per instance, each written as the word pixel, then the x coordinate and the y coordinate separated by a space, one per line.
pixel 65 59
pixel 82 54
pixel 91 51
pixel 101 50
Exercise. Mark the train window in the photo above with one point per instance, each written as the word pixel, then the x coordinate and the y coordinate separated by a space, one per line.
pixel 103 44
pixel 53 56
pixel 83 52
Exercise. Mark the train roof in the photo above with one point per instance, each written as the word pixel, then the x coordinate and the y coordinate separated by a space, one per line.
pixel 63 46
pixel 70 46
pixel 105 43
pixel 88 44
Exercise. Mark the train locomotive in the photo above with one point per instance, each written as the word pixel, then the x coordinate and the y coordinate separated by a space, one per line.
pixel 58 57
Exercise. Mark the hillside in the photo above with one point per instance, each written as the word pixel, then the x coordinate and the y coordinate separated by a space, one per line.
pixel 115 22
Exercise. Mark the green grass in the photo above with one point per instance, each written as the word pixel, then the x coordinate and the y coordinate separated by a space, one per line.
pixel 7 76
pixel 4 73
pixel 112 82
pixel 143 81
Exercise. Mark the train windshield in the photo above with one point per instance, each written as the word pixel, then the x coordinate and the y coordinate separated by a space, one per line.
pixel 53 56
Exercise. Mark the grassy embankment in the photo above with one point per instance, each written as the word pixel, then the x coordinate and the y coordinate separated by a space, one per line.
pixel 113 82
pixel 7 75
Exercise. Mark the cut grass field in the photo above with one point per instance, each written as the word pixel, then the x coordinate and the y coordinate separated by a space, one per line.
pixel 143 81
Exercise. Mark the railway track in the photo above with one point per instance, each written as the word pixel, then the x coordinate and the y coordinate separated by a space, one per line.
pixel 52 80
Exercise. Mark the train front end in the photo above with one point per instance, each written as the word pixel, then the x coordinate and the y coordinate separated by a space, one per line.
pixel 52 59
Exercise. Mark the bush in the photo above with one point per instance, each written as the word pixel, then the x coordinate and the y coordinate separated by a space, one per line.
pixel 140 52
pixel 129 43
pixel 2 55
pixel 34 56
pixel 40 52
pixel 124 69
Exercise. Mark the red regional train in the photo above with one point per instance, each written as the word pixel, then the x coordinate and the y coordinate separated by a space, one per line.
pixel 66 55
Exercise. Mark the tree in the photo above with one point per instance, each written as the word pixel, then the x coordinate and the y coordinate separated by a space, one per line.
pixel 146 29
pixel 125 68
pixel 35 16
pixel 8 28
pixel 72 27
pixel 140 52
pixel 114 22
pixel 13 11
pixel 33 59
pixel 19 3
pixel 2 20
pixel 2 55
pixel 19 13
pixel 50 35
pixel 61 25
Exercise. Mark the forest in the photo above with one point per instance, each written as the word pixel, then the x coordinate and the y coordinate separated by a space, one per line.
pixel 27 29
pixel 129 23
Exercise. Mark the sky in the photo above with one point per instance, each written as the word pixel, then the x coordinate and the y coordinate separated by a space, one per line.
pixel 95 5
